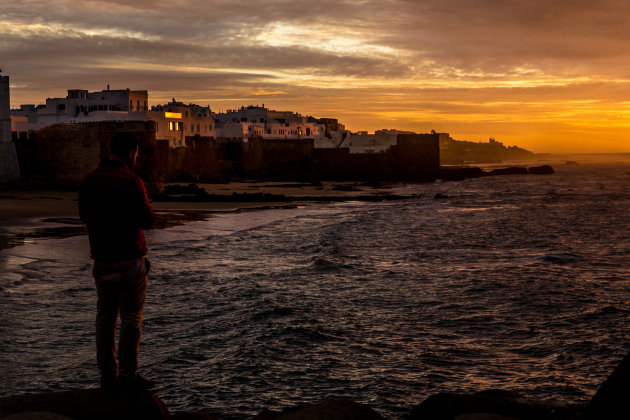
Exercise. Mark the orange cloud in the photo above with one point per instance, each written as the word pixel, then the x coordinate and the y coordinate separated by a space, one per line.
pixel 545 76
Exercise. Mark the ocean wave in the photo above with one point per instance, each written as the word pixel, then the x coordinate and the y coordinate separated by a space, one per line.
pixel 515 284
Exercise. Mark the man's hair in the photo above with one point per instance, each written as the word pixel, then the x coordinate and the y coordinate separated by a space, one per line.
pixel 123 143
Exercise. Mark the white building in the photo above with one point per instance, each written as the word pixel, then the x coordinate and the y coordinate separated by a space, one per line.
pixel 82 106
pixel 369 143
pixel 361 142
pixel 175 121
pixel 259 121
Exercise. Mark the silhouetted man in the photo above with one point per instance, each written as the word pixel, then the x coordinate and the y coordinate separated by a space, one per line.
pixel 113 203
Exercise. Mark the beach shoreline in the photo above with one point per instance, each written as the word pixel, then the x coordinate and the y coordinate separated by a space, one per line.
pixel 27 214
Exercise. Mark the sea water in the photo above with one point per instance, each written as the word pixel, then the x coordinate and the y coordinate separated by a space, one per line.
pixel 513 282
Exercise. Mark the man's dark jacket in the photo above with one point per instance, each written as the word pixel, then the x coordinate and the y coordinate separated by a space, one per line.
pixel 113 203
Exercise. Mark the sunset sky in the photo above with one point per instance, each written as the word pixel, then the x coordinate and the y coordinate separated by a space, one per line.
pixel 550 76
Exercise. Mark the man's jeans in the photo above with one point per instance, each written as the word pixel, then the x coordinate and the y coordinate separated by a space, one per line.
pixel 121 288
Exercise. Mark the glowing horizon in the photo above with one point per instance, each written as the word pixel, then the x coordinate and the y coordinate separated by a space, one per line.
pixel 549 78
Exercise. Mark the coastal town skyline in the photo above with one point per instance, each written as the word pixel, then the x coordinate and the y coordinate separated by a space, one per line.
pixel 546 77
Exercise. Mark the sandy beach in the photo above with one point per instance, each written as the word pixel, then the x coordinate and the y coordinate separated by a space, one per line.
pixel 26 214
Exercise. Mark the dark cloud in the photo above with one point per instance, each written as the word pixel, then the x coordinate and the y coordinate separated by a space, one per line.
pixel 457 37
pixel 349 58
pixel 487 35
pixel 79 51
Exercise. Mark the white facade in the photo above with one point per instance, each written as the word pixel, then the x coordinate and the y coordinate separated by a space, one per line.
pixel 335 140
pixel 82 106
pixel 175 121
pixel 369 143
pixel 259 121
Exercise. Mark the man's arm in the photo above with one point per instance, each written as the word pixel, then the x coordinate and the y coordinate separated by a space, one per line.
pixel 145 213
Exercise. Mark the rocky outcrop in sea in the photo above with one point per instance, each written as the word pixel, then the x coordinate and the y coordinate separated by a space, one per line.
pixel 612 401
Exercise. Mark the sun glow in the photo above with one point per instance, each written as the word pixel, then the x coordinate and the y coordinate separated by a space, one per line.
pixel 476 72
pixel 319 37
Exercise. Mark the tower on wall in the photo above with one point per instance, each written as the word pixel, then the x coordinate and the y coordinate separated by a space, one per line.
pixel 9 168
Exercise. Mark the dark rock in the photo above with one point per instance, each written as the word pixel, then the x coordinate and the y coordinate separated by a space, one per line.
pixel 36 415
pixel 512 170
pixel 613 396
pixel 541 170
pixel 326 410
pixel 183 189
pixel 192 415
pixel 202 196
pixel 88 404
pixel 448 406
pixel 482 416
pixel 457 174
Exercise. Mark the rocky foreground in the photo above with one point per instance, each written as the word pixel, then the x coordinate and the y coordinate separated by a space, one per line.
pixel 612 401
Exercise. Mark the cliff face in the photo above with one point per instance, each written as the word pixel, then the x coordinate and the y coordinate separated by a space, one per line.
pixel 62 154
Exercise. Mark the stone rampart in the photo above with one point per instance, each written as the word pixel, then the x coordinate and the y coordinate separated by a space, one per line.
pixel 282 158
pixel 203 159
pixel 62 154
pixel 9 167
pixel 208 159
pixel 415 157
pixel 66 152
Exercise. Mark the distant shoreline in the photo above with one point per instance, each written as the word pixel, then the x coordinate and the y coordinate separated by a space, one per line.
pixel 29 212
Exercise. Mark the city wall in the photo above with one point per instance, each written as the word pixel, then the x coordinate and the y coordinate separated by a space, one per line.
pixel 415 157
pixel 287 159
pixel 62 154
